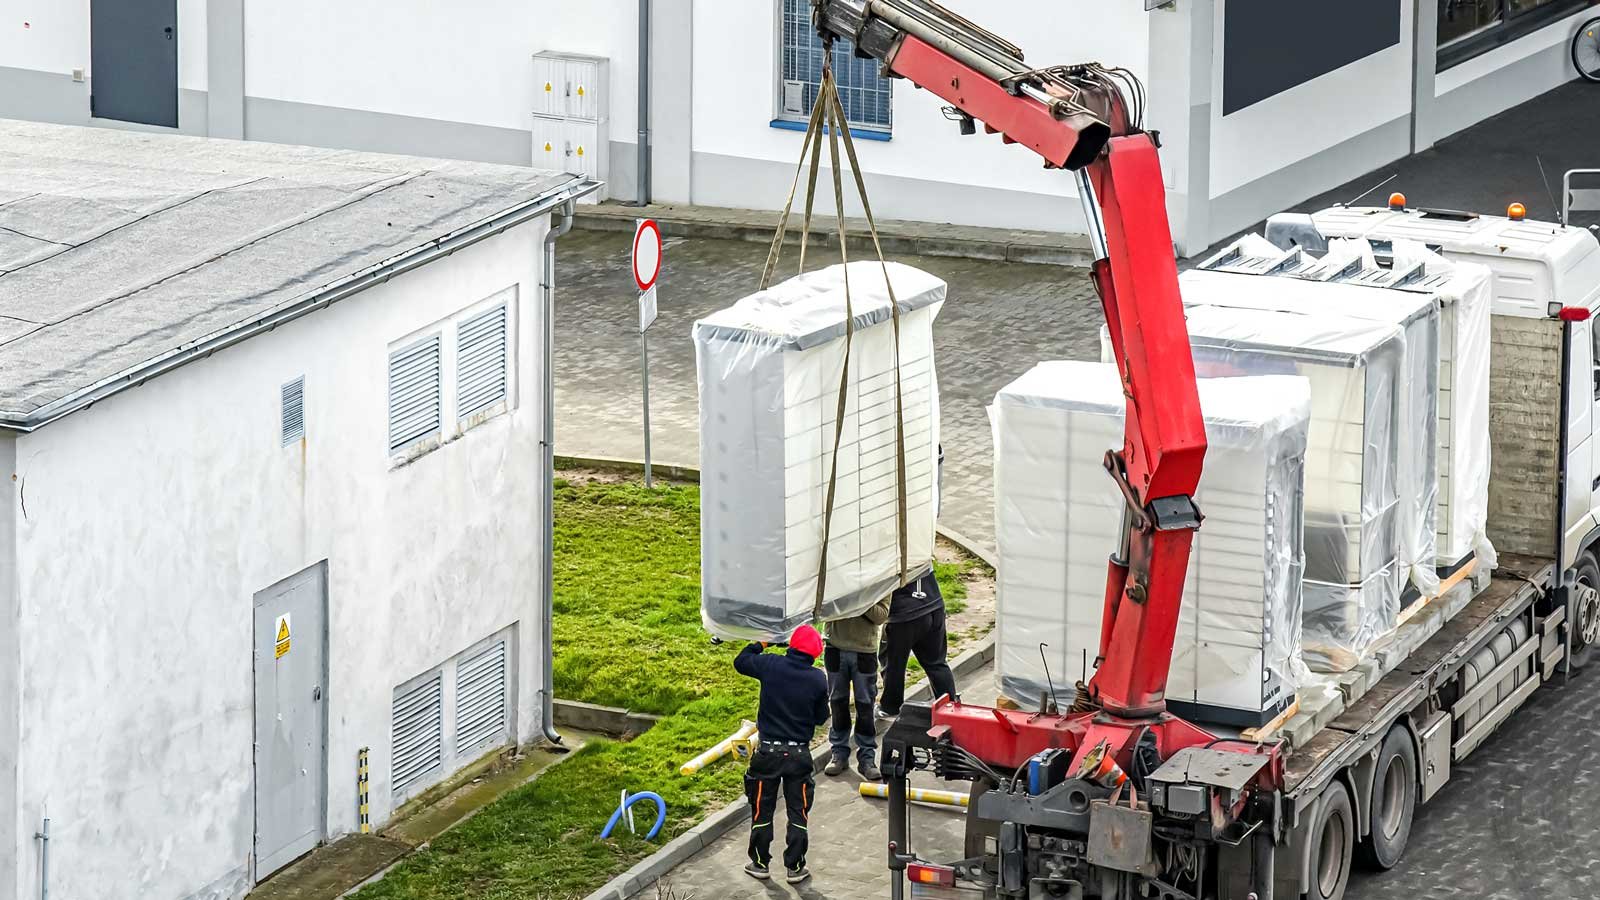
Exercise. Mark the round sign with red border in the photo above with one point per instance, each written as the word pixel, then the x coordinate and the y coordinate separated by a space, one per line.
pixel 646 253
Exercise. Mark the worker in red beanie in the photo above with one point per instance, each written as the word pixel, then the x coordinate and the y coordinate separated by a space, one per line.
pixel 794 703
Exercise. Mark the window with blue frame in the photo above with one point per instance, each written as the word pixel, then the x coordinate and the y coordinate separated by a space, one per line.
pixel 864 93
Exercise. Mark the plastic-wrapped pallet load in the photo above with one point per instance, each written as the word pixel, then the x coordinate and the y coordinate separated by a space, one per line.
pixel 1417 315
pixel 1353 574
pixel 769 375
pixel 1057 514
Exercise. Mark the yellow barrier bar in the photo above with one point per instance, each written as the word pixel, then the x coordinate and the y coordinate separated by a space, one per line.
pixel 921 795
pixel 746 731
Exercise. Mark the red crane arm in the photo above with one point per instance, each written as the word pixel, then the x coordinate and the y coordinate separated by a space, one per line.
pixel 1079 118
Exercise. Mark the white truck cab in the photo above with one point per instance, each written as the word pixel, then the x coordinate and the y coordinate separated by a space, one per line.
pixel 1545 360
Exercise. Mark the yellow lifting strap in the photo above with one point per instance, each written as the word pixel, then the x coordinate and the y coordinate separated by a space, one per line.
pixel 827 113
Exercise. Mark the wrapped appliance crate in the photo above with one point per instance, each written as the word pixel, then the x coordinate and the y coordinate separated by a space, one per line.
pixel 769 376
pixel 1058 515
pixel 1353 575
pixel 1319 286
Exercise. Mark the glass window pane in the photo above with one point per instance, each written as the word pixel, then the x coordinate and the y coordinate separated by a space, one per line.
pixel 1459 18
pixel 863 92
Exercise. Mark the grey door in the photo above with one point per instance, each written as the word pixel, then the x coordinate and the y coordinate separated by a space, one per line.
pixel 290 664
pixel 133 59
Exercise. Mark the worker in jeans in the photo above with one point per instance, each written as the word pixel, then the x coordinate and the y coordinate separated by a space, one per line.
pixel 794 701
pixel 916 626
pixel 851 661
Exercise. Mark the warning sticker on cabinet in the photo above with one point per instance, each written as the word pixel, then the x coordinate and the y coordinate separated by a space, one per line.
pixel 281 642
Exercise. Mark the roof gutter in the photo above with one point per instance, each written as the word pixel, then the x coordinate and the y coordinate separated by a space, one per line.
pixel 559 198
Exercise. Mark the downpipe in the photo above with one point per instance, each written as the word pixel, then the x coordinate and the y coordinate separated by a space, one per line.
pixel 547 453
pixel 43 837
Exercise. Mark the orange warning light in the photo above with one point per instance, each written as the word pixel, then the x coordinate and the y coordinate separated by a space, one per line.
pixel 1517 212
pixel 1397 200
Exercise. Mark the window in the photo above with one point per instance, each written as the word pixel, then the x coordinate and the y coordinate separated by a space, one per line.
pixel 1468 28
pixel 863 92
pixel 414 393
pixel 481 361
pixel 292 411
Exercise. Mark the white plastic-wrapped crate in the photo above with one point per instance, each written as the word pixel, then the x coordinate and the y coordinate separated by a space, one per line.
pixel 1353 575
pixel 1057 519
pixel 1312 288
pixel 769 376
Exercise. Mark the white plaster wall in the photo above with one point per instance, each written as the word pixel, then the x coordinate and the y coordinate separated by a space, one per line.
pixel 53 36
pixel 11 825
pixel 1308 118
pixel 735 78
pixel 459 63
pixel 154 517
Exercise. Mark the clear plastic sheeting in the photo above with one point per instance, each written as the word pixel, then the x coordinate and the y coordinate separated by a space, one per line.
pixel 1418 411
pixel 769 377
pixel 1354 574
pixel 1057 519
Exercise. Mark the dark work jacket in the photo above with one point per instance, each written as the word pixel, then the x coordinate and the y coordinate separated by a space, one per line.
pixel 905 607
pixel 794 693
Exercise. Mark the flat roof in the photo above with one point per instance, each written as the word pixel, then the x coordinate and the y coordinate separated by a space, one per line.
pixel 120 250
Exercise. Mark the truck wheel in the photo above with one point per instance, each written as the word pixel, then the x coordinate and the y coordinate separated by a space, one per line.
pixel 1394 801
pixel 1333 838
pixel 1585 612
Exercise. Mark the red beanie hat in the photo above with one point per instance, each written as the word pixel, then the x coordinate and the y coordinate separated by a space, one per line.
pixel 807 641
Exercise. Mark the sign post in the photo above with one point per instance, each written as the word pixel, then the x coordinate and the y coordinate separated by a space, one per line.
pixel 646 267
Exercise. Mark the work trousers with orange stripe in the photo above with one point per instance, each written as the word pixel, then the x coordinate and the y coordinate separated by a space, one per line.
pixel 789 771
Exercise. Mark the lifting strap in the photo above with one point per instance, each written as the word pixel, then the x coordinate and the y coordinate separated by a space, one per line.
pixel 827 113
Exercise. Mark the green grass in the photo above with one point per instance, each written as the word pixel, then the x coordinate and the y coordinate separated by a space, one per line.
pixel 627 633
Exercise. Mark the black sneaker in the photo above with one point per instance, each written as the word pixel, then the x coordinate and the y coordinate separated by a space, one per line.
pixel 797 874
pixel 837 764
pixel 869 770
pixel 757 871
pixel 885 716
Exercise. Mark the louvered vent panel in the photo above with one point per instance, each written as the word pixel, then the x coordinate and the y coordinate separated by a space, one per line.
pixel 481 361
pixel 418 731
pixel 294 411
pixel 481 697
pixel 414 393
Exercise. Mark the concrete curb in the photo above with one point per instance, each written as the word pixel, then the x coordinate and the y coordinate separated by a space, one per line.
pixel 679 850
pixel 607 720
pixel 897 237
pixel 680 472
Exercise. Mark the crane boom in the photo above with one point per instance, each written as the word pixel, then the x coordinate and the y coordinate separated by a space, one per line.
pixel 1087 119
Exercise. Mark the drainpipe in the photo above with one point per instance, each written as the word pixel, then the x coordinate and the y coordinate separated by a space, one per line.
pixel 547 452
pixel 43 837
pixel 644 104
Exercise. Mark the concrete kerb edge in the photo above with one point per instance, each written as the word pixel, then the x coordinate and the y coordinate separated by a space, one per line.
pixel 678 850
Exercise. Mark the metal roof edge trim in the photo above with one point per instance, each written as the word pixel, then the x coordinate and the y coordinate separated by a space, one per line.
pixel 345 287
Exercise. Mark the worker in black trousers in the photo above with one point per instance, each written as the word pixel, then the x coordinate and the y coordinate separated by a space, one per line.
pixel 916 626
pixel 794 702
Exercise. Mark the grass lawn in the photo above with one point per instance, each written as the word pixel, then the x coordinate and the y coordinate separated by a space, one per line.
pixel 627 633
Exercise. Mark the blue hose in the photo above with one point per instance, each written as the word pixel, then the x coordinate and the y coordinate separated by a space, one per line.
pixel 661 814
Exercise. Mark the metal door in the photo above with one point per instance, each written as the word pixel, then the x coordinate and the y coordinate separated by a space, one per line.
pixel 133 58
pixel 291 727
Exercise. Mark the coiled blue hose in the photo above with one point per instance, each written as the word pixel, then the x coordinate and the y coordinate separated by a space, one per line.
pixel 661 813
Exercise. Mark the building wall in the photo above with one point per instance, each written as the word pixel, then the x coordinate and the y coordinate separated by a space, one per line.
pixel 152 519
pixel 12 822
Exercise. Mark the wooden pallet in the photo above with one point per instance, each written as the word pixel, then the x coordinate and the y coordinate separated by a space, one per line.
pixel 1263 732
pixel 1445 585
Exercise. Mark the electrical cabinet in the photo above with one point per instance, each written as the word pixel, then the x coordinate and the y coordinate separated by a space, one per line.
pixel 571 115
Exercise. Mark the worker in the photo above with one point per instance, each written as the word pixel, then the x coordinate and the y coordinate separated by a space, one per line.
pixel 794 702
pixel 916 626
pixel 851 661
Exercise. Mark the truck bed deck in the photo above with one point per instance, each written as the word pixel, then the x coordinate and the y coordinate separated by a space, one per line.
pixel 1517 582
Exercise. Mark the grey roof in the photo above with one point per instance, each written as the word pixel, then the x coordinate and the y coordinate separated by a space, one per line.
pixel 118 248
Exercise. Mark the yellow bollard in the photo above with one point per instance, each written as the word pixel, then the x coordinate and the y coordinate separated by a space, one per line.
pixel 746 731
pixel 921 795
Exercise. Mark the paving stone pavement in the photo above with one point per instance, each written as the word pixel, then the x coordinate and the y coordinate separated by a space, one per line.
pixel 999 320
pixel 1520 819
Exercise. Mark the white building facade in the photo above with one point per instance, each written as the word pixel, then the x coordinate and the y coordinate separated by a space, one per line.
pixel 1255 115
pixel 277 549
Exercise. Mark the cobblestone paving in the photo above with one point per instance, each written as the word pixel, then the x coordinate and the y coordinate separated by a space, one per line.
pixel 1520 819
pixel 1000 319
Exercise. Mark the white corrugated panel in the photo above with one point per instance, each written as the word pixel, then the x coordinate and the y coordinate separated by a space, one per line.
pixel 414 393
pixel 481 361
pixel 481 698
pixel 417 728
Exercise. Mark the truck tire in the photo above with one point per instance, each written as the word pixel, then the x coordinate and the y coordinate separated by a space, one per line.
pixel 1332 847
pixel 1585 611
pixel 1394 801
